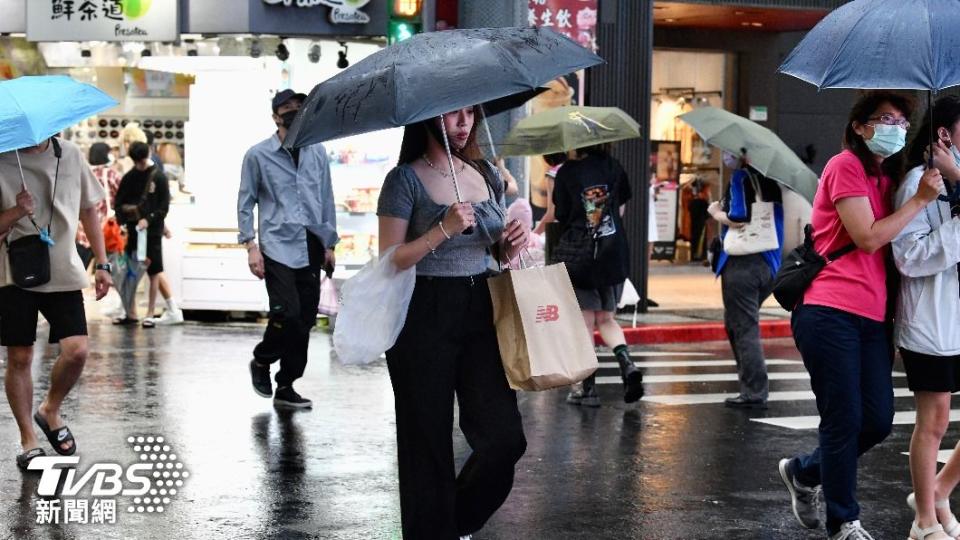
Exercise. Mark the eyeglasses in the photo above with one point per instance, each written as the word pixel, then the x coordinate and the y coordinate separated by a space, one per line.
pixel 891 120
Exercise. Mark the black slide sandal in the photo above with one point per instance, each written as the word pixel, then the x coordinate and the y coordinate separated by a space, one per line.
pixel 24 459
pixel 57 437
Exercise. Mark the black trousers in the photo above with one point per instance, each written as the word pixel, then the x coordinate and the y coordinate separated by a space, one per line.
pixel 294 296
pixel 449 346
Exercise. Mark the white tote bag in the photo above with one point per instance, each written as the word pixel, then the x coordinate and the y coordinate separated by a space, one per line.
pixel 757 236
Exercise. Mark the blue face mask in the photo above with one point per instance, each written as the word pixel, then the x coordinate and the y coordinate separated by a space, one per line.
pixel 887 140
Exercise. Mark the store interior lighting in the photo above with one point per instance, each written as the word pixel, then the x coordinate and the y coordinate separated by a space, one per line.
pixel 342 61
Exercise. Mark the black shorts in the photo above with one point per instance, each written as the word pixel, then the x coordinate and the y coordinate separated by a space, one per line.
pixel 154 251
pixel 18 315
pixel 927 373
pixel 602 299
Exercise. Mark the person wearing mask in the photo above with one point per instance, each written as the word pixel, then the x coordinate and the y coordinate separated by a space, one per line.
pixel 142 203
pixel 747 280
pixel 57 191
pixel 841 324
pixel 589 197
pixel 927 252
pixel 448 346
pixel 298 232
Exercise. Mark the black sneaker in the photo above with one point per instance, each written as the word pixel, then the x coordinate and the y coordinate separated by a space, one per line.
pixel 260 377
pixel 286 396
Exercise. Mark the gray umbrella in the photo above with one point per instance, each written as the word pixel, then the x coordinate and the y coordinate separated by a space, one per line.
pixel 435 73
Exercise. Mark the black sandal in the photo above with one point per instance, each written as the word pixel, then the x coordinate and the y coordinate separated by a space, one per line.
pixel 57 437
pixel 24 459
pixel 125 321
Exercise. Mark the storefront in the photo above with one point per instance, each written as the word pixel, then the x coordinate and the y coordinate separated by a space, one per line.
pixel 665 58
pixel 199 76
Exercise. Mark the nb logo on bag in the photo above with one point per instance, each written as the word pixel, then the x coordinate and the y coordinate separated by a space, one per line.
pixel 548 314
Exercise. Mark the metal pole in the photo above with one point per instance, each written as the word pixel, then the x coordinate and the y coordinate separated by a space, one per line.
pixel 446 144
pixel 486 127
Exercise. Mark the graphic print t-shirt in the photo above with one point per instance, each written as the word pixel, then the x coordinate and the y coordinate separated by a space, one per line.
pixel 588 195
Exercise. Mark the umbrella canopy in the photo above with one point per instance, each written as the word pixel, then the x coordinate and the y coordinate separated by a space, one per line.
pixel 33 109
pixel 435 73
pixel 765 151
pixel 904 44
pixel 568 128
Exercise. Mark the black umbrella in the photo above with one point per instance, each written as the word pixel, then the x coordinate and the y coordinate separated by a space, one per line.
pixel 434 73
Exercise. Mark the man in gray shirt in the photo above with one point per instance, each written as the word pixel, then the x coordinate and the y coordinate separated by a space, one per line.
pixel 298 231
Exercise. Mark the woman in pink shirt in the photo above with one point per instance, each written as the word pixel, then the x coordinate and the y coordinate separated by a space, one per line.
pixel 841 326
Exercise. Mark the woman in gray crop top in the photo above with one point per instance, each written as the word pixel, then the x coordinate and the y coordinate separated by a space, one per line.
pixel 448 346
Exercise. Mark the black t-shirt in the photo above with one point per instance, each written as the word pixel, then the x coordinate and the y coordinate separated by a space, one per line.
pixel 153 207
pixel 587 195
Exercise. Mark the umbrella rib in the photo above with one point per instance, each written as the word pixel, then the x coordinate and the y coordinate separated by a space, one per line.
pixel 836 54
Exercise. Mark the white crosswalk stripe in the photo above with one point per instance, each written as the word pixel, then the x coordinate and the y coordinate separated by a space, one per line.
pixel 902 418
pixel 714 377
pixel 942 456
pixel 700 399
pixel 696 363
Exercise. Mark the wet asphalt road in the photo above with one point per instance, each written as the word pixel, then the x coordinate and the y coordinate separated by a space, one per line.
pixel 651 470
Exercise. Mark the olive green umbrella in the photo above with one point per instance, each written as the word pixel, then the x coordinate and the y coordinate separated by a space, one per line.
pixel 568 128
pixel 765 151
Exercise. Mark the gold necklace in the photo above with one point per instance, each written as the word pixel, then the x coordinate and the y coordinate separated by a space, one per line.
pixel 434 167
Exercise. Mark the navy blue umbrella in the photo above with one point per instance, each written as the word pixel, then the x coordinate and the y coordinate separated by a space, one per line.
pixel 905 44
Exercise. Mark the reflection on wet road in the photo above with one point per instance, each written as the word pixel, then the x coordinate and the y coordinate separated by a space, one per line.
pixel 670 467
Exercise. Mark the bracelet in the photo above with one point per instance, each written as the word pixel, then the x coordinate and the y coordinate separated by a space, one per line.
pixel 444 231
pixel 427 240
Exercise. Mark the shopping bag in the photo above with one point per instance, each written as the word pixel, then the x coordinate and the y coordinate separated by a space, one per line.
pixel 373 308
pixel 757 235
pixel 543 341
pixel 329 300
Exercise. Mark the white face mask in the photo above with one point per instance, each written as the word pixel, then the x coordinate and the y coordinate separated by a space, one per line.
pixel 731 161
pixel 887 140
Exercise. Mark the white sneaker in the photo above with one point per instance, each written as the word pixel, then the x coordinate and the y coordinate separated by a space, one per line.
pixel 170 318
pixel 115 313
pixel 852 530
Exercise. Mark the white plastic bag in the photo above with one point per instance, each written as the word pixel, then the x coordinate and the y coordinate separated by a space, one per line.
pixel 373 308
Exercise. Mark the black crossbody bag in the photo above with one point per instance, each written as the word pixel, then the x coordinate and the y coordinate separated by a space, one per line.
pixel 29 256
pixel 799 269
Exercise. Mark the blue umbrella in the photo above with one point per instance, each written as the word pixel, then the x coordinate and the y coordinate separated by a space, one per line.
pixel 905 44
pixel 33 109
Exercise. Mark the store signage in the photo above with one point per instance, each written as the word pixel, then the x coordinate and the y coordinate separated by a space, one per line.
pixel 341 11
pixel 102 20
pixel 758 113
pixel 576 19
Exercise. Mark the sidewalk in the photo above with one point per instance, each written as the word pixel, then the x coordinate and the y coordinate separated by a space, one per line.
pixel 691 309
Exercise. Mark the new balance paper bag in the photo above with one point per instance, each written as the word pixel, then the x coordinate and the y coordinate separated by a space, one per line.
pixel 543 341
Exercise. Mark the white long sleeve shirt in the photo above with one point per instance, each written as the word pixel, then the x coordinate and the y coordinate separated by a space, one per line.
pixel 926 253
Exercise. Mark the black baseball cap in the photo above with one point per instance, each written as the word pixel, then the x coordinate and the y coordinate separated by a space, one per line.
pixel 284 96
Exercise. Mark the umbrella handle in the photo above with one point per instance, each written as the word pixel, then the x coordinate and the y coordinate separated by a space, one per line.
pixel 453 171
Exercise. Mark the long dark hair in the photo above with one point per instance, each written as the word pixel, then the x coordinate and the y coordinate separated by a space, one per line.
pixel 415 141
pixel 865 107
pixel 99 154
pixel 601 150
pixel 946 114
